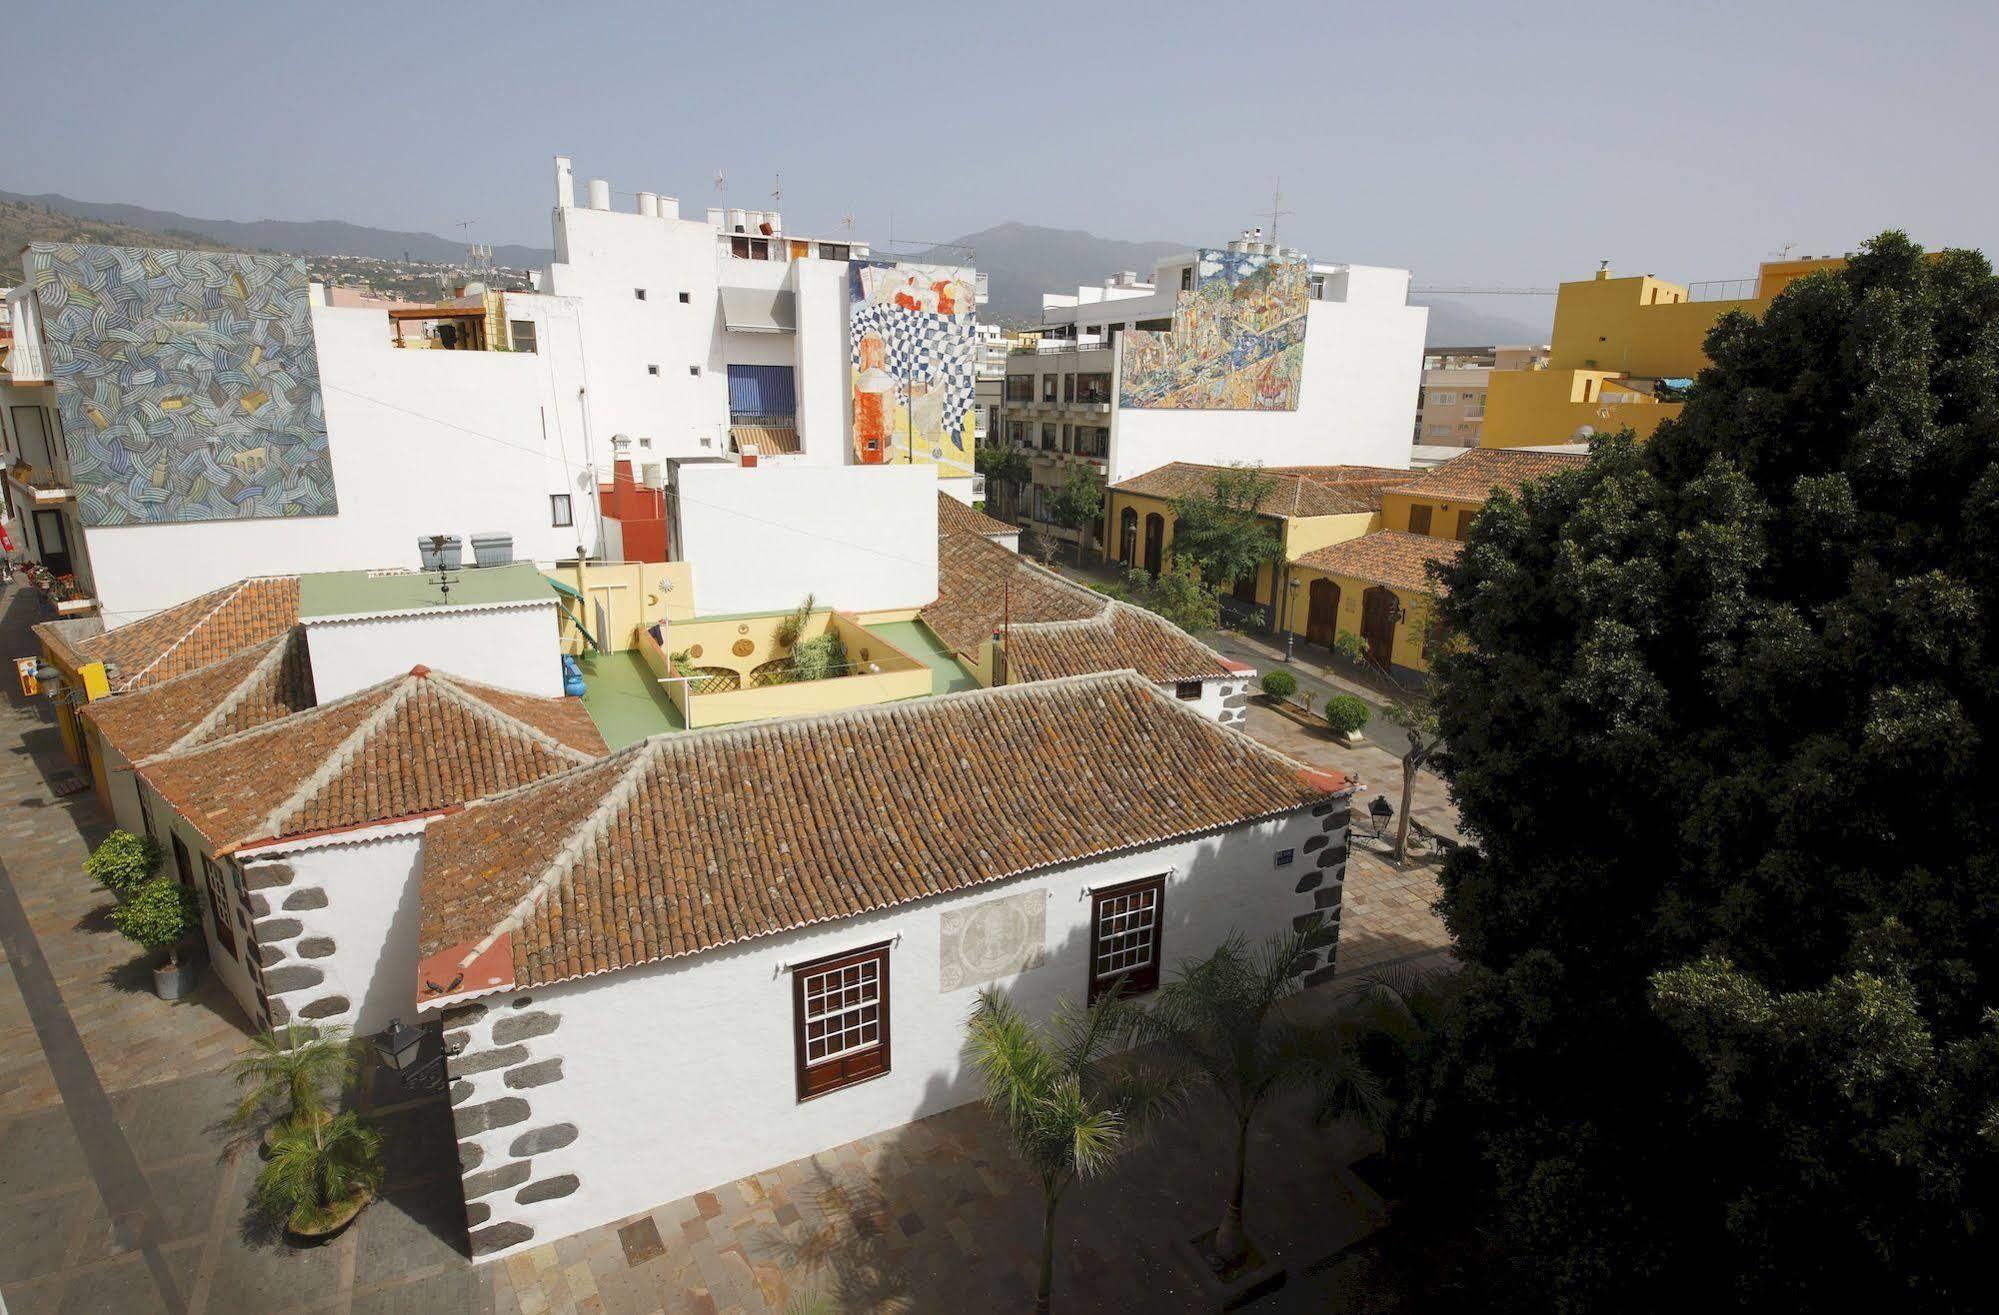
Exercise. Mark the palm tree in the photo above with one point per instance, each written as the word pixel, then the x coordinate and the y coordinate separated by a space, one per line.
pixel 1223 1017
pixel 320 1172
pixel 1067 1114
pixel 291 1076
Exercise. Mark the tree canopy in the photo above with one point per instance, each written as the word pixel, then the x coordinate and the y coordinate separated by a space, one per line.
pixel 1731 919
pixel 1221 529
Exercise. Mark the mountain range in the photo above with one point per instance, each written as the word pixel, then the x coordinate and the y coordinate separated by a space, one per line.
pixel 1021 261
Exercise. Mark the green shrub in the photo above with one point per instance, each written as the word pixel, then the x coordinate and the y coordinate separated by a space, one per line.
pixel 819 657
pixel 1279 685
pixel 1346 714
pixel 123 861
pixel 158 915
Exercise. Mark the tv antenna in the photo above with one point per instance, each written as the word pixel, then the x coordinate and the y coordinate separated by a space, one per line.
pixel 721 183
pixel 847 222
pixel 777 190
pixel 1784 252
pixel 1277 210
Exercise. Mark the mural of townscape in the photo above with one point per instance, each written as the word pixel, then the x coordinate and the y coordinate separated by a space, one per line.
pixel 186 381
pixel 915 364
pixel 1237 342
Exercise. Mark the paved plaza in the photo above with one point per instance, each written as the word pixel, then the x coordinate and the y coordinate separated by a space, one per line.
pixel 119 1192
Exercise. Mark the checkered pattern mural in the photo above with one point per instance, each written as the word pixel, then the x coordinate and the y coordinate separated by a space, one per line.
pixel 914 359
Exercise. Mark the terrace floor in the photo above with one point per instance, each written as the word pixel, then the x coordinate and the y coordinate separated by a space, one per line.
pixel 622 697
pixel 917 640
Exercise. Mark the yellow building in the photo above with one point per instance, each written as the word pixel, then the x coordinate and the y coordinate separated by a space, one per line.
pixel 1440 502
pixel 1307 507
pixel 1616 343
pixel 1377 589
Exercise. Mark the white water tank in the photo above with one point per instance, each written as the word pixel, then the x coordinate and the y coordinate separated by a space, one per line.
pixel 600 194
pixel 649 204
pixel 669 207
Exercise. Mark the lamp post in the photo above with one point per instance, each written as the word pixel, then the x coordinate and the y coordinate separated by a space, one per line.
pixel 1292 582
pixel 398 1046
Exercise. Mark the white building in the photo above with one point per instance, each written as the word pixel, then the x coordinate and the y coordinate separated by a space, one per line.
pixel 1336 354
pixel 686 963
pixel 300 437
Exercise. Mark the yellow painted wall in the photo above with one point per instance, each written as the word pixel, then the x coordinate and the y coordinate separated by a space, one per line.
pixel 631 595
pixel 1396 507
pixel 901 676
pixel 1416 606
pixel 1532 408
pixel 1299 534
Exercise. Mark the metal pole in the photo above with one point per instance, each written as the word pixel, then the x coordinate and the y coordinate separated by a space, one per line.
pixel 1286 620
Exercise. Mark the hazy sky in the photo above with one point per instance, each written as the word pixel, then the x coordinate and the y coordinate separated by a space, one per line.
pixel 1493 143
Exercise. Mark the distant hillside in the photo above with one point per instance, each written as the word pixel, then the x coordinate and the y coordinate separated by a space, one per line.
pixel 1453 323
pixel 319 237
pixel 1022 261
pixel 22 223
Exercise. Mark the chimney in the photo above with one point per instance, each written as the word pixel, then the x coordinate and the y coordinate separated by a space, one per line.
pixel 565 183
pixel 600 194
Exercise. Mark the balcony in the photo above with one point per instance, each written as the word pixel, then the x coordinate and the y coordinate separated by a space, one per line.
pixel 26 363
pixel 716 671
pixel 1060 346
pixel 42 485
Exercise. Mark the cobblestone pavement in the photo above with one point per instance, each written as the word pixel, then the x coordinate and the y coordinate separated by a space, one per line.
pixel 118 1193
pixel 936 1217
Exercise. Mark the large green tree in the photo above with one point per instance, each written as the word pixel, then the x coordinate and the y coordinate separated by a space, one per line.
pixel 1221 529
pixel 1731 919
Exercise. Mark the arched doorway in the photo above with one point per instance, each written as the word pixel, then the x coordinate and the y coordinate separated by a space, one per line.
pixel 1155 542
pixel 1378 607
pixel 1322 618
pixel 1127 537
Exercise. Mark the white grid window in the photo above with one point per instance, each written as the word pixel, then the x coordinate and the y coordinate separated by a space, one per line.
pixel 1124 936
pixel 842 1011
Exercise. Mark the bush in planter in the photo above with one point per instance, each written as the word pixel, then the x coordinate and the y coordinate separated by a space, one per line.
pixel 291 1074
pixel 1279 685
pixel 159 915
pixel 320 1174
pixel 1346 714
pixel 123 861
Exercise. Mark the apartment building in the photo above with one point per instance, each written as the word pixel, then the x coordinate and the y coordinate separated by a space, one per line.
pixel 1624 351
pixel 1450 411
pixel 170 416
pixel 1246 353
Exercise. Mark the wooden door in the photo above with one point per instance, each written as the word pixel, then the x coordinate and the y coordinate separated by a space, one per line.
pixel 1377 625
pixel 52 542
pixel 1155 542
pixel 1419 520
pixel 1323 617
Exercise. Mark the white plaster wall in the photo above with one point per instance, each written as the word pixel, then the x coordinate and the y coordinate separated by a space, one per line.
pixel 124 785
pixel 860 538
pixel 681 1076
pixel 422 442
pixel 1213 703
pixel 228 968
pixel 372 915
pixel 822 376
pixel 515 647
pixel 1357 404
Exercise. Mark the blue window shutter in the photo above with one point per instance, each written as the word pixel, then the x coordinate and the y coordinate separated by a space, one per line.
pixel 762 390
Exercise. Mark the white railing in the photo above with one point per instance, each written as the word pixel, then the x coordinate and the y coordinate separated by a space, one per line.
pixel 1722 290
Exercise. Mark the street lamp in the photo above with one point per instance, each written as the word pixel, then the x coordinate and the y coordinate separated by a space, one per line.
pixel 1288 610
pixel 1378 813
pixel 398 1046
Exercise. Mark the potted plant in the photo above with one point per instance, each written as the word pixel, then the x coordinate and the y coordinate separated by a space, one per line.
pixel 1345 715
pixel 159 915
pixel 320 1174
pixel 122 862
pixel 1279 685
pixel 290 1077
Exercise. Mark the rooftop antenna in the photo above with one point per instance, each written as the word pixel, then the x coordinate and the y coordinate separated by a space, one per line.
pixel 1784 252
pixel 777 191
pixel 721 183
pixel 444 579
pixel 1277 210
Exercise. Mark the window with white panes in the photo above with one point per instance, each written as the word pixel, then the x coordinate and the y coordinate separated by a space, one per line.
pixel 1125 925
pixel 840 1013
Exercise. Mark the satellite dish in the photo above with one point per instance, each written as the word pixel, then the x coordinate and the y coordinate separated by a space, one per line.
pixel 1584 433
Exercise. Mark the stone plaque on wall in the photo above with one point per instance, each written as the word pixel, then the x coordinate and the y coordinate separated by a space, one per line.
pixel 993 939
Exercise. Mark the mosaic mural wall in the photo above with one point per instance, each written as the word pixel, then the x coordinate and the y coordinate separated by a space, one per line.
pixel 914 356
pixel 187 383
pixel 1237 342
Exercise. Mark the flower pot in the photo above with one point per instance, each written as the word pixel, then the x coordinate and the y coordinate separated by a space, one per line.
pixel 328 1228
pixel 174 980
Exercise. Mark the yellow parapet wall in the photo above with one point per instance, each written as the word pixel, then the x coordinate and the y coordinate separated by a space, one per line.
pixel 745 648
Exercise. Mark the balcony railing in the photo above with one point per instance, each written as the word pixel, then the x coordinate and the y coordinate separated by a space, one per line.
pixel 1057 347
pixel 43 484
pixel 26 363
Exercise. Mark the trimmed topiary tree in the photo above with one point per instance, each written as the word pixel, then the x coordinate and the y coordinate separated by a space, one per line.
pixel 1346 714
pixel 122 862
pixel 1279 685
pixel 159 915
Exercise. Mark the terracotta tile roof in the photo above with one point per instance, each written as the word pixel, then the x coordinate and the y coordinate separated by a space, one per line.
pixel 1366 483
pixel 1291 493
pixel 1055 628
pixel 1387 557
pixel 258 685
pixel 690 841
pixel 955 517
pixel 412 744
pixel 191 635
pixel 1473 476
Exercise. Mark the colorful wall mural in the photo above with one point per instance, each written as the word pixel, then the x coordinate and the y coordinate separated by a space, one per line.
pixel 1237 342
pixel 915 364
pixel 186 381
